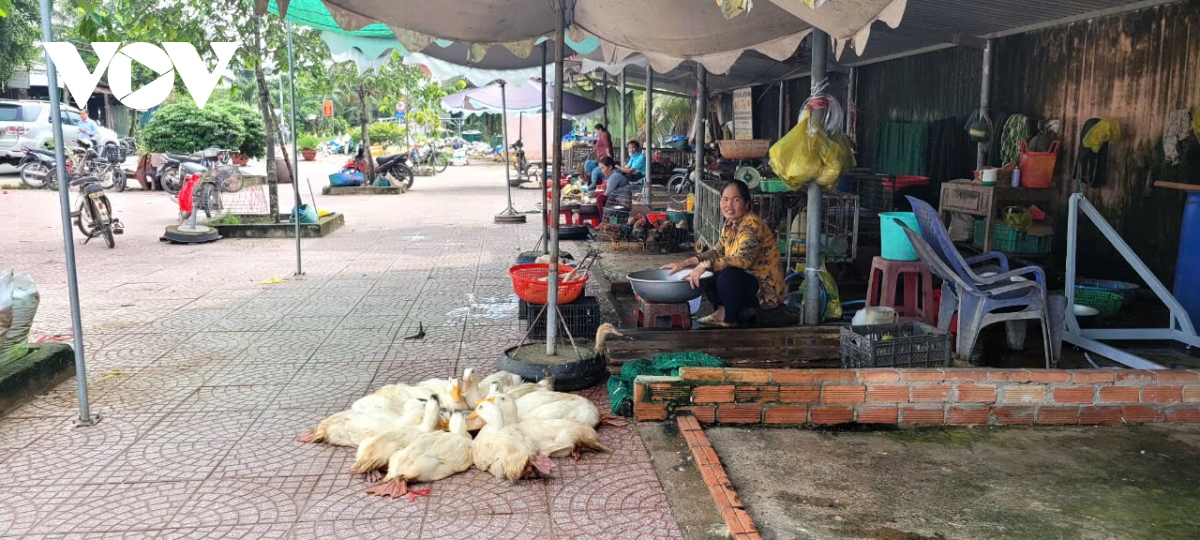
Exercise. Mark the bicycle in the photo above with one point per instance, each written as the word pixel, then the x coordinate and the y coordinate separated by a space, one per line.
pixel 93 212
pixel 681 185
pixel 430 157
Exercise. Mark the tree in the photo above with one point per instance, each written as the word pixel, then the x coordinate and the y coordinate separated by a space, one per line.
pixel 19 29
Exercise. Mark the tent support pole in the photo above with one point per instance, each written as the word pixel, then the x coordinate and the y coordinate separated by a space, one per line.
pixel 545 228
pixel 624 142
pixel 701 119
pixel 64 200
pixel 812 237
pixel 295 160
pixel 509 214
pixel 605 75
pixel 985 99
pixel 552 297
pixel 649 133
pixel 779 130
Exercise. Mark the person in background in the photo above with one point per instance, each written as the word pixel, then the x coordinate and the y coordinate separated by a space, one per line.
pixel 637 161
pixel 603 142
pixel 88 130
pixel 745 261
pixel 618 184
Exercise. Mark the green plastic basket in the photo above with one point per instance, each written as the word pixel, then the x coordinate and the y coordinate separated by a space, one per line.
pixel 772 185
pixel 1009 240
pixel 1107 303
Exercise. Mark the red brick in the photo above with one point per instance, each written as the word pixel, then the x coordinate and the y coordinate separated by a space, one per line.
pixel 713 475
pixel 739 414
pixel 731 496
pixel 746 521
pixel 878 415
pixel 748 536
pixel 791 376
pixel 640 391
pixel 887 394
pixel 1058 415
pixel 1011 415
pixel 832 415
pixel 1073 394
pixel 1184 414
pixel 709 455
pixel 1191 393
pixel 963 416
pixel 1092 375
pixel 649 412
pixel 687 423
pixel 799 394
pixel 665 391
pixel 976 393
pixel 1024 394
pixel 1011 375
pixel 965 375
pixel 759 394
pixel 719 497
pixel 933 392
pixel 787 414
pixel 1119 394
pixel 706 414
pixel 747 375
pixel 878 375
pixel 702 374
pixel 924 416
pixel 1103 414
pixel 691 439
pixel 1141 414
pixel 1177 376
pixel 1136 377
pixel 713 394
pixel 1162 394
pixel 843 394
pixel 1049 375
pixel 832 375
pixel 921 375
pixel 729 514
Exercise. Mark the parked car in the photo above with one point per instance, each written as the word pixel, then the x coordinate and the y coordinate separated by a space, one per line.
pixel 26 124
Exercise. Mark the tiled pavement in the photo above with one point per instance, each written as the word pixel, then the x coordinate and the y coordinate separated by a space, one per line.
pixel 203 377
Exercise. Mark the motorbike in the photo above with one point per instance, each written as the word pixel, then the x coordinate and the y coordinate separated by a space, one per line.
pixel 93 212
pixel 395 165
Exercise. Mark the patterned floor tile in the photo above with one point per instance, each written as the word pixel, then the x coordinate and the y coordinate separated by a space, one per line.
pixel 629 486
pixel 341 497
pixel 656 524
pixel 239 503
pixel 100 508
pixel 266 531
pixel 72 455
pixel 526 526
pixel 477 492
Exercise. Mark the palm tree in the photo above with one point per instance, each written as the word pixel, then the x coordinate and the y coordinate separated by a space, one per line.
pixel 672 116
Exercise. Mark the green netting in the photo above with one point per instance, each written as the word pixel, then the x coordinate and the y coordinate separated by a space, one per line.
pixel 620 387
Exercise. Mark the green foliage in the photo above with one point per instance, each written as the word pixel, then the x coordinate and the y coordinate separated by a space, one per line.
pixel 253 131
pixel 333 126
pixel 181 128
pixel 307 141
pixel 19 26
pixel 384 133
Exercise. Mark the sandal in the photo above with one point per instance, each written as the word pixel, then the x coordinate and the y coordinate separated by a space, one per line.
pixel 708 320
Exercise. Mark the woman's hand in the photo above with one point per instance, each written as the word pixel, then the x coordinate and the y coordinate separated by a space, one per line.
pixel 674 267
pixel 693 277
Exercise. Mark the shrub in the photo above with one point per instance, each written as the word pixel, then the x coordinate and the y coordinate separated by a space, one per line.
pixel 182 128
pixel 384 133
pixel 254 132
pixel 307 141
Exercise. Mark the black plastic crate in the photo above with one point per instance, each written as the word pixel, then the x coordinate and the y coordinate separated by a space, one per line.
pixel 911 344
pixel 582 317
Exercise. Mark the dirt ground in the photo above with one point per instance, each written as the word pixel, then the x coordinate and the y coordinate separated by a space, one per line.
pixel 1087 483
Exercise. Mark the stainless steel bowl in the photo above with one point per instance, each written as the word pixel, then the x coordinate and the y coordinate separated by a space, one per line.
pixel 661 287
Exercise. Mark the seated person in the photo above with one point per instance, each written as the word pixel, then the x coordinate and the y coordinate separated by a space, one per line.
pixel 618 184
pixel 591 171
pixel 636 169
pixel 745 262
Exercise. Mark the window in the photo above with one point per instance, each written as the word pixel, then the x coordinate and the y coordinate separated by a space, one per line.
pixel 13 112
pixel 71 117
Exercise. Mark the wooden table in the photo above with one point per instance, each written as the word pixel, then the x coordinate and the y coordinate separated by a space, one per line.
pixel 973 199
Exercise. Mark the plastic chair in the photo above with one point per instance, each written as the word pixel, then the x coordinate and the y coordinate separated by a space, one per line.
pixel 938 238
pixel 986 300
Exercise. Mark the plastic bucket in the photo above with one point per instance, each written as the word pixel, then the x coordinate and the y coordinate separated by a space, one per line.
pixel 895 245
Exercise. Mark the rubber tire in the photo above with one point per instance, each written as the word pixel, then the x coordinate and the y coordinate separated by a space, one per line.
pixel 106 228
pixel 109 179
pixel 674 184
pixel 568 377
pixel 122 181
pixel 402 174
pixel 233 184
pixel 33 184
pixel 205 200
pixel 170 180
pixel 440 162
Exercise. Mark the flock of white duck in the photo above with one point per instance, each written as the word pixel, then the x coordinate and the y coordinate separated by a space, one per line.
pixel 421 432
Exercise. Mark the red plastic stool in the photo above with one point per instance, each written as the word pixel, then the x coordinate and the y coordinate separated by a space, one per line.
pixel 888 276
pixel 651 315
pixel 592 219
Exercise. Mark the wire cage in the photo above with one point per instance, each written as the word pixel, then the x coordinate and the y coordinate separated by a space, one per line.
pixel 244 198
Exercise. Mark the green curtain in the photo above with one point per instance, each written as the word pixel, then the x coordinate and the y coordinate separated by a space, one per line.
pixel 901 148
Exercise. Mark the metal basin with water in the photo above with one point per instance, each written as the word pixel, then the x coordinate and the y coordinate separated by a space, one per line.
pixel 662 287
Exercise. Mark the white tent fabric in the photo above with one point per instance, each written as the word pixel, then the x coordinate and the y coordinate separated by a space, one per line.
pixel 848 22
pixel 371 53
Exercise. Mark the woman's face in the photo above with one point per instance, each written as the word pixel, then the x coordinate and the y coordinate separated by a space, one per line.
pixel 733 206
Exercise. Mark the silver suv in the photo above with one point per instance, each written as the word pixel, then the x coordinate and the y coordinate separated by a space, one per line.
pixel 26 124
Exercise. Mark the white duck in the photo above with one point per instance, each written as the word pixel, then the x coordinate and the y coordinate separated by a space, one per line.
pixel 505 379
pixel 373 452
pixel 553 437
pixel 449 392
pixel 348 428
pixel 432 456
pixel 503 450
pixel 523 389
pixel 371 403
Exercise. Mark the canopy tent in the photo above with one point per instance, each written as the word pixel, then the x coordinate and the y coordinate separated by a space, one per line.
pixel 525 99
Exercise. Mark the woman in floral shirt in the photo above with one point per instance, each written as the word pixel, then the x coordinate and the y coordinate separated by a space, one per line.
pixel 745 261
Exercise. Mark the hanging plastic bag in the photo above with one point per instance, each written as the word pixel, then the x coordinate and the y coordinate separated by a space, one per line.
pixel 24 300
pixel 6 308
pixel 796 157
pixel 1196 122
pixel 1104 131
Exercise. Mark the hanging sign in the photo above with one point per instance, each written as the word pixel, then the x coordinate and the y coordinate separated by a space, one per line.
pixel 327 107
pixel 743 114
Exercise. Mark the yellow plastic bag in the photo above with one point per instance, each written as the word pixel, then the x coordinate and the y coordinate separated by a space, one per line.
pixel 1196 122
pixel 796 158
pixel 1104 131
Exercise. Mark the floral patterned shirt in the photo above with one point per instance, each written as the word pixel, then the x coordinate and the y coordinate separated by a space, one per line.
pixel 749 244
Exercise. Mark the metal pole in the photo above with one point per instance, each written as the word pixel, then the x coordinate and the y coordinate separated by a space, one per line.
pixel 552 297
pixel 649 132
pixel 545 227
pixel 292 137
pixel 504 135
pixel 701 120
pixel 624 143
pixel 812 237
pixel 851 100
pixel 985 100
pixel 779 128
pixel 64 201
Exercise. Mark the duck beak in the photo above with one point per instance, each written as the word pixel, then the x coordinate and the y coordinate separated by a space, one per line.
pixel 472 416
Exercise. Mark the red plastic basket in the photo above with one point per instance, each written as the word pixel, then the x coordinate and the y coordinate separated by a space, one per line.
pixel 1037 168
pixel 528 288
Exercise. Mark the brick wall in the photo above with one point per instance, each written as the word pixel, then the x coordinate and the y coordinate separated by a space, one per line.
pixel 922 396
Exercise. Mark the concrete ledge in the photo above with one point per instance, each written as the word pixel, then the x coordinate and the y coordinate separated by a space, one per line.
pixel 922 396
pixel 42 368
pixel 363 190
pixel 327 225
